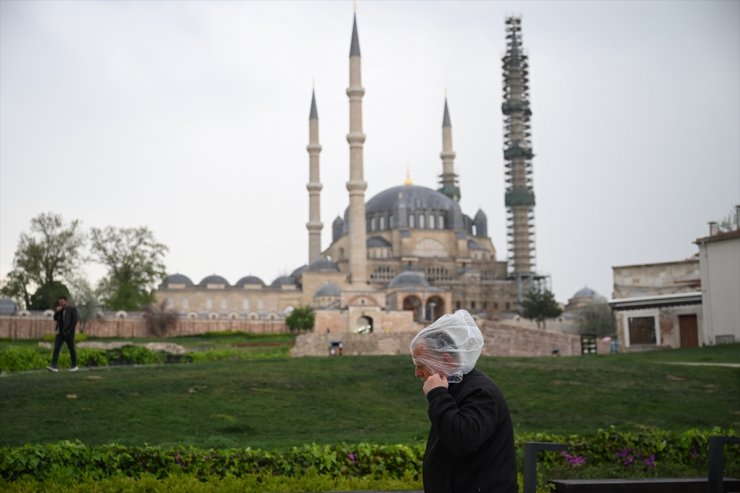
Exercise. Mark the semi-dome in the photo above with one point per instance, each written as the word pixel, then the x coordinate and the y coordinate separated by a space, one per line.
pixel 328 289
pixel 474 245
pixel 409 279
pixel 297 273
pixel 177 279
pixel 284 281
pixel 322 265
pixel 249 281
pixel 213 279
pixel 378 242
pixel 412 197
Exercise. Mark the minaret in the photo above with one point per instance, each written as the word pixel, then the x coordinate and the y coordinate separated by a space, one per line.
pixel 448 178
pixel 356 184
pixel 519 198
pixel 314 225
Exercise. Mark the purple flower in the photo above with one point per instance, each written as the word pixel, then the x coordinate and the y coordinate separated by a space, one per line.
pixel 573 460
pixel 650 461
pixel 352 457
pixel 624 452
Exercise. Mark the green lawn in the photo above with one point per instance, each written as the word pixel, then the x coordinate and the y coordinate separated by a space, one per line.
pixel 278 403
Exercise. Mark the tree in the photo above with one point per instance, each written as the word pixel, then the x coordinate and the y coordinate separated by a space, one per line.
pixel 135 265
pixel 595 318
pixel 301 318
pixel 539 306
pixel 45 297
pixel 160 318
pixel 48 254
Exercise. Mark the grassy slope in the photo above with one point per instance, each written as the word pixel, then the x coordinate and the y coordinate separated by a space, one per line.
pixel 285 402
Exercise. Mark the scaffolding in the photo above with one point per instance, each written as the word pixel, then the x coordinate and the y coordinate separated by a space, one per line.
pixel 519 197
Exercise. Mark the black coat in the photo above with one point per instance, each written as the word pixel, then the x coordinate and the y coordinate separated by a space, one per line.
pixel 471 442
pixel 69 320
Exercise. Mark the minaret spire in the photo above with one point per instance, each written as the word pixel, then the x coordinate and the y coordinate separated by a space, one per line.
pixel 519 198
pixel 356 185
pixel 314 224
pixel 448 178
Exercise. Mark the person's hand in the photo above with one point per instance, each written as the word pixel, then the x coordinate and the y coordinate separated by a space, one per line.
pixel 435 380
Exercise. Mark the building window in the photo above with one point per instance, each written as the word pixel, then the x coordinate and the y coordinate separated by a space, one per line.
pixel 441 222
pixel 421 221
pixel 431 221
pixel 642 330
pixel 472 305
pixel 457 305
pixel 412 221
pixel 209 304
pixel 382 222
pixel 372 223
pixel 383 273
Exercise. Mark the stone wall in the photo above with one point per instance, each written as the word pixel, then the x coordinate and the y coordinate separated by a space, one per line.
pixel 37 327
pixel 501 340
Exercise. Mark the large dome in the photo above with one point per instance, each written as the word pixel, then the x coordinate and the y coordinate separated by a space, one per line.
pixel 413 197
pixel 213 279
pixel 176 279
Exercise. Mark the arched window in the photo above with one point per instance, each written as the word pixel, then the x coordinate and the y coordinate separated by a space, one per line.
pixel 431 221
pixel 372 223
pixel 441 222
pixel 382 222
pixel 412 221
pixel 421 221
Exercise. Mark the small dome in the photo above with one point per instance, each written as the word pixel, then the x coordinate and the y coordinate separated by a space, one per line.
pixel 8 306
pixel 249 281
pixel 213 279
pixel 378 242
pixel 328 289
pixel 585 292
pixel 176 279
pixel 284 281
pixel 409 279
pixel 322 265
pixel 299 271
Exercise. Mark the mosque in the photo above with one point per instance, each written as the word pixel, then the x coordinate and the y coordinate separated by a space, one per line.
pixel 408 254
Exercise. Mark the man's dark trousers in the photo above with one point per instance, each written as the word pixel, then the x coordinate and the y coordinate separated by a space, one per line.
pixel 70 340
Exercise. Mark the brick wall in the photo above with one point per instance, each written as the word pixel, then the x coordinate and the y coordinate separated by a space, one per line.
pixel 37 327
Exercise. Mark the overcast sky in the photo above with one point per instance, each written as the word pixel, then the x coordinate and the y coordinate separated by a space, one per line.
pixel 191 118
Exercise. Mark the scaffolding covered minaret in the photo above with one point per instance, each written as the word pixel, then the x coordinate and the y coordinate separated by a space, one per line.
pixel 519 198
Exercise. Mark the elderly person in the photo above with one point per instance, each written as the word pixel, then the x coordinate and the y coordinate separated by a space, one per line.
pixel 470 447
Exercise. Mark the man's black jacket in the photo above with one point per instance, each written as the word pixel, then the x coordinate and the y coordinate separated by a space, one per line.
pixel 471 442
pixel 68 321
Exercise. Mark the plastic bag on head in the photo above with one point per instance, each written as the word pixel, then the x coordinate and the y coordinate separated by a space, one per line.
pixel 450 346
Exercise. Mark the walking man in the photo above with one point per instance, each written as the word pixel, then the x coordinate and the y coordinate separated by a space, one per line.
pixel 470 448
pixel 66 322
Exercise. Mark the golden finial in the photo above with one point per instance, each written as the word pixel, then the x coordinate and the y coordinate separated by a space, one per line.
pixel 408 181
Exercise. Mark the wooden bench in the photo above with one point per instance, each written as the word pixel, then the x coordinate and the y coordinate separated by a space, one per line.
pixel 648 485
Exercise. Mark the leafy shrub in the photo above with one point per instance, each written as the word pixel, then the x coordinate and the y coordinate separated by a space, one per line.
pixel 14 358
pixel 135 355
pixel 79 337
pixel 599 455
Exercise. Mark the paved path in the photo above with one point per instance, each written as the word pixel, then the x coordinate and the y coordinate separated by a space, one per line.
pixel 725 365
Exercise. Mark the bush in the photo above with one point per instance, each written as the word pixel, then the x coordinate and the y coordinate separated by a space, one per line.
pixel 13 358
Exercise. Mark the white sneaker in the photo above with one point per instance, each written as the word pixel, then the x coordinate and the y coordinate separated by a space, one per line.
pixel 74 368
pixel 52 368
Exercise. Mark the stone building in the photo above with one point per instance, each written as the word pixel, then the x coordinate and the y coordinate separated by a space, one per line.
pixel 658 304
pixel 400 259
pixel 719 261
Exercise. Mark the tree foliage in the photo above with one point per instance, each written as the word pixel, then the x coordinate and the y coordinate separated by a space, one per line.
pixel 539 306
pixel 135 264
pixel 49 253
pixel 160 318
pixel 45 297
pixel 301 318
pixel 595 318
